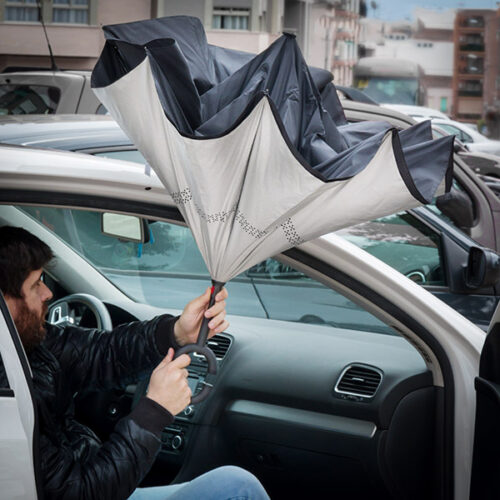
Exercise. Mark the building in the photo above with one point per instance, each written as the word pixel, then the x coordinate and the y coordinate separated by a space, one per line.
pixel 328 34
pixel 476 76
pixel 73 28
pixel 427 41
pixel 248 25
pixel 75 34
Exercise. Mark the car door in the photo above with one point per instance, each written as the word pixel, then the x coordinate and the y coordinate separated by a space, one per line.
pixel 17 414
pixel 485 483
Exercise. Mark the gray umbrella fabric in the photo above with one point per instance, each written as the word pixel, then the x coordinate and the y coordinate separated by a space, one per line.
pixel 255 150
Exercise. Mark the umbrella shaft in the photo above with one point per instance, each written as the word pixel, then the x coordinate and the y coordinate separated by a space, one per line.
pixel 202 336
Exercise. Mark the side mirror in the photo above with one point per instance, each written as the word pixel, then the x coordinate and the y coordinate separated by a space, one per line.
pixel 483 268
pixel 125 227
pixel 458 207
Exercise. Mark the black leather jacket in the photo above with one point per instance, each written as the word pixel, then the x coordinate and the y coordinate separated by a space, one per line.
pixel 75 463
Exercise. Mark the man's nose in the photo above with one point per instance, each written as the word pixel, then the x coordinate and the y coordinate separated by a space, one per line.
pixel 46 293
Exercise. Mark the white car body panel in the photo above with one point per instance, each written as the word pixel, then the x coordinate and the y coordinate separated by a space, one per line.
pixel 17 477
pixel 460 339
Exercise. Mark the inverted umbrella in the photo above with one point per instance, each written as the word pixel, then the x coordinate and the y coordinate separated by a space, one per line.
pixel 256 159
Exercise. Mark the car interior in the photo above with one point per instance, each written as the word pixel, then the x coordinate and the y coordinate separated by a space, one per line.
pixel 321 389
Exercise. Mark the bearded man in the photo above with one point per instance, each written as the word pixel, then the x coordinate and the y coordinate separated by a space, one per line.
pixel 64 361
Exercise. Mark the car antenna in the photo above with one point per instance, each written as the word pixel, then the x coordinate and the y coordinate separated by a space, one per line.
pixel 52 59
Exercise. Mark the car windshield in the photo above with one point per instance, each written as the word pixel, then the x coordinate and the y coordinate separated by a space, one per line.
pixel 168 271
pixel 389 90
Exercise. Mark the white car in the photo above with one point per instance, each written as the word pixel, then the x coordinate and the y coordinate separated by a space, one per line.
pixel 472 139
pixel 418 113
pixel 376 401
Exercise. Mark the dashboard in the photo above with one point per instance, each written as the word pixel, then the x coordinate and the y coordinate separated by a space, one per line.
pixel 312 410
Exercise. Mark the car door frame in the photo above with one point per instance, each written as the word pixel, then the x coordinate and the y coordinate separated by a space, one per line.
pixel 486 457
pixel 19 431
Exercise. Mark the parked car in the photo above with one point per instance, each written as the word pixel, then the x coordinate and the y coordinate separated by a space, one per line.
pixel 418 113
pixel 482 163
pixel 479 212
pixel 378 401
pixel 474 140
pixel 47 92
pixel 421 243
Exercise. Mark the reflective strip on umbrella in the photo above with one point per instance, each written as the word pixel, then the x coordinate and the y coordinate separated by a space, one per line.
pixel 245 187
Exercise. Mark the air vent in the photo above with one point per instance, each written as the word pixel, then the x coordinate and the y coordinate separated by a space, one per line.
pixel 219 345
pixel 359 380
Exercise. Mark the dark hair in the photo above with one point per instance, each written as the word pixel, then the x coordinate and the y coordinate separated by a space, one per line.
pixel 20 253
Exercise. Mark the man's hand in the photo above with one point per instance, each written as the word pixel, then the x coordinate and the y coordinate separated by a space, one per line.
pixel 168 385
pixel 187 327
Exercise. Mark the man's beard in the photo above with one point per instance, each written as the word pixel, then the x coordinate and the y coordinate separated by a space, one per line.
pixel 31 326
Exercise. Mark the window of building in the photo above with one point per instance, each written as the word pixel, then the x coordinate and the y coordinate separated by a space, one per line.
pixel 230 19
pixel 70 11
pixel 470 88
pixel 21 10
pixel 443 104
pixel 55 11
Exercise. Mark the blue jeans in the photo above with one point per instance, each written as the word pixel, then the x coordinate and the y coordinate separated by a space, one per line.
pixel 224 483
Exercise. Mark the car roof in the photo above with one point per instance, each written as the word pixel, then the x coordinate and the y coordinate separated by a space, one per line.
pixel 420 111
pixel 66 132
pixel 45 72
pixel 54 171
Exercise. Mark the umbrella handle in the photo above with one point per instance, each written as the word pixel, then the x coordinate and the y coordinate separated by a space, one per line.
pixel 201 348
pixel 212 367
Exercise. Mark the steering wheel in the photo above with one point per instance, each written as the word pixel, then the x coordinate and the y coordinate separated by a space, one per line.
pixel 59 311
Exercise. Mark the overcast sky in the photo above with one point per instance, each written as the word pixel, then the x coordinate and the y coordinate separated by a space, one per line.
pixel 392 10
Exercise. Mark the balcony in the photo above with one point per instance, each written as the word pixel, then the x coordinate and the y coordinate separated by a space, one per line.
pixel 471 22
pixel 471 43
pixel 471 65
pixel 470 88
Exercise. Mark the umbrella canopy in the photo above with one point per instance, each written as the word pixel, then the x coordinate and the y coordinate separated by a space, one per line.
pixel 255 150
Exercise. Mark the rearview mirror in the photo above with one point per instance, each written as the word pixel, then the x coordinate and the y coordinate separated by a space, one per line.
pixel 125 227
pixel 483 268
pixel 458 207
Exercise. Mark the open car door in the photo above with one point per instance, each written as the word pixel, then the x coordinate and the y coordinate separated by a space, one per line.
pixel 17 415
pixel 485 483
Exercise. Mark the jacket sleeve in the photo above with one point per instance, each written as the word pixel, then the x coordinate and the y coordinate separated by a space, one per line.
pixel 116 468
pixel 94 359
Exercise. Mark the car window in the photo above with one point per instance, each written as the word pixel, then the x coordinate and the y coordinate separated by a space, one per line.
pixel 403 242
pixel 168 271
pixel 126 155
pixel 28 99
pixel 465 138
pixel 462 136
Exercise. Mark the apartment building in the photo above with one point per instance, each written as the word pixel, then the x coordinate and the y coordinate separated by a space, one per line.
pixel 476 75
pixel 426 41
pixel 328 34
pixel 248 25
pixel 327 30
pixel 73 28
